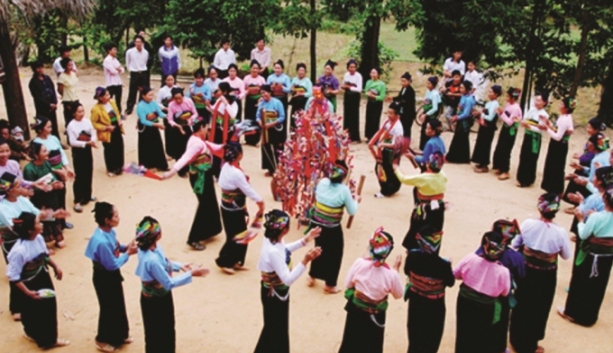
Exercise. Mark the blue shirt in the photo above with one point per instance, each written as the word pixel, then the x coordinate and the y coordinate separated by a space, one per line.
pixel 602 159
pixel 434 98
pixel 282 79
pixel 104 249
pixel 152 265
pixel 143 109
pixel 592 202
pixel 434 144
pixel 53 143
pixel 467 102
pixel 204 89
pixel 335 195
pixel 272 104
pixel 304 83
pixel 311 100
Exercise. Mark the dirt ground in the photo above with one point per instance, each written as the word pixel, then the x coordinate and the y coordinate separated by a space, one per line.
pixel 222 313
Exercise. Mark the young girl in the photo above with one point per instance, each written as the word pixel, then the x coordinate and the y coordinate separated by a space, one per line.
pixel 369 282
pixel 506 139
pixel 459 149
pixel 238 89
pixel 278 275
pixel 108 256
pixel 155 272
pixel 302 90
pixel 200 93
pixel 430 109
pixel 27 271
pixel 352 85
pixel 487 128
pixel 385 141
pixel 150 145
pixel 375 91
pixel 181 113
pixel 235 189
pixel 280 84
pixel 253 82
pixel 531 146
pixel 105 117
pixel 82 138
pixel 223 120
pixel 329 83
pixel 165 93
pixel 213 81
pixel 555 163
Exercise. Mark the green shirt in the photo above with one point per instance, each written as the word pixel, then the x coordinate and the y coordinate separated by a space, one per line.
pixel 377 87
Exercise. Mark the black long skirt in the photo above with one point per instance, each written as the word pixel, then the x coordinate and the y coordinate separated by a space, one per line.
pixel 327 267
pixel 423 138
pixel 474 327
pixel 272 149
pixel 483 146
pixel 459 149
pixel 285 103
pixel 275 333
pixel 207 222
pixel 250 114
pixel 114 152
pixel 169 139
pixel 151 148
pixel 176 142
pixel 573 187
pixel 586 293
pixel 158 323
pixel 388 181
pixel 351 115
pixel 39 317
pixel 528 159
pixel 501 328
pixel 239 112
pixel 553 175
pixel 298 103
pixel 15 299
pixel 113 325
pixel 232 253
pixel 502 153
pixel 433 218
pixel 83 169
pixel 361 333
pixel 534 296
pixel 373 118
pixel 426 323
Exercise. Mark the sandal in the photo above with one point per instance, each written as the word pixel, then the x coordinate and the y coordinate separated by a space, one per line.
pixel 227 270
pixel 105 347
pixel 78 208
pixel 128 340
pixel 16 317
pixel 239 267
pixel 564 316
pixel 60 244
pixel 539 349
pixel 197 246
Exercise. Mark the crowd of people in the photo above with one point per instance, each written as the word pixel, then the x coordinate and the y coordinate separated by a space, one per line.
pixel 508 283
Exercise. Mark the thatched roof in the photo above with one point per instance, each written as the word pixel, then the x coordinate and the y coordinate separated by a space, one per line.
pixel 29 8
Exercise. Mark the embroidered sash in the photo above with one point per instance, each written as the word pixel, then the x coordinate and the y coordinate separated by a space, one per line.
pixel 427 287
pixel 540 260
pixel 326 216
pixel 471 294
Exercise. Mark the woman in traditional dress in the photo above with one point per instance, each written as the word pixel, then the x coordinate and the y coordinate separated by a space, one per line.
pixel 484 281
pixel 199 156
pixel 428 274
pixel 164 98
pixel 430 109
pixel 510 116
pixel 429 209
pixel 369 282
pixel 487 128
pixel 155 272
pixel 302 90
pixel 150 145
pixel 531 146
pixel 235 188
pixel 278 274
pixel 82 138
pixel 331 196
pixel 352 85
pixel 281 85
pixel 181 114
pixel 108 256
pixel 27 271
pixel 238 89
pixel 555 163
pixel 375 91
pixel 383 147
pixel 271 117
pixel 406 98
pixel 253 82
pixel 106 120
pixel 592 266
pixel 329 83
pixel 213 82
pixel 435 144
pixel 541 242
pixel 459 148
pixel 200 94
pixel 223 120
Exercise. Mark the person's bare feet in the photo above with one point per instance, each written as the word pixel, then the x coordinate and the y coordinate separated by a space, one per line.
pixel 496 171
pixel 331 290
pixel 128 340
pixel 239 267
pixel 228 270
pixel 503 176
pixel 563 315
pixel 105 347
pixel 17 317
pixel 310 281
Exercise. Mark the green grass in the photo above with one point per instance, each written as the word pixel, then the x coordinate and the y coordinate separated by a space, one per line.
pixel 402 43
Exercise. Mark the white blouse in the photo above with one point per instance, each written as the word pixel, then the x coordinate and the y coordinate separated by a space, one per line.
pixel 546 237
pixel 272 259
pixel 23 252
pixel 232 178
pixel 355 79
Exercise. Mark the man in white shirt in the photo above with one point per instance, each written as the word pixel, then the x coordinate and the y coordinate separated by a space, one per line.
pixel 262 54
pixel 112 74
pixel 57 66
pixel 477 79
pixel 136 62
pixel 224 57
pixel 454 63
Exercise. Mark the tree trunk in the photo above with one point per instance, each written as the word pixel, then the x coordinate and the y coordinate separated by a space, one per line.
pixel 585 29
pixel 605 110
pixel 526 88
pixel 64 26
pixel 370 47
pixel 13 96
pixel 313 48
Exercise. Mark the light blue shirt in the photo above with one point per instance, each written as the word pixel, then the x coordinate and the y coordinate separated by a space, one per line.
pixel 335 195
pixel 435 98
pixel 143 109
pixel 282 79
pixel 491 107
pixel 592 202
pixel 312 99
pixel 434 144
pixel 304 83
pixel 204 89
pixel 467 102
pixel 600 225
pixel 602 159
pixel 53 143
pixel 213 85
pixel 12 210
pixel 101 249
pixel 272 104
pixel 152 265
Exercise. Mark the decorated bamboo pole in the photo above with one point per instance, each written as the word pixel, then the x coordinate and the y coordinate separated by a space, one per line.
pixel 359 192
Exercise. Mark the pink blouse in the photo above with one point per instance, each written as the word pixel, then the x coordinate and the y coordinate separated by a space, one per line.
pixel 374 282
pixel 196 147
pixel 511 111
pixel 486 277
pixel 238 84
pixel 174 108
pixel 250 80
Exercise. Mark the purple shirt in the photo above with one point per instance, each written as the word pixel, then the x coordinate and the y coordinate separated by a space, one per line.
pixel 331 81
pixel 14 168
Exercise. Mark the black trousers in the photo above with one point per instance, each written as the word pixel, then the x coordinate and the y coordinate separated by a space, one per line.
pixel 114 152
pixel 137 79
pixel 115 92
pixel 83 169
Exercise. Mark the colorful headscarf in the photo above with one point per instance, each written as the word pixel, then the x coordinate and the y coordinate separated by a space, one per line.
pixel 508 229
pixel 600 142
pixel 338 172
pixel 7 180
pixel 436 162
pixel 277 220
pixel 147 232
pixel 381 245
pixel 428 239
pixel 493 245
pixel 549 203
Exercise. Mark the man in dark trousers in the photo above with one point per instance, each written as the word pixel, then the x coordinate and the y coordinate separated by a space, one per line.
pixel 43 92
pixel 406 99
